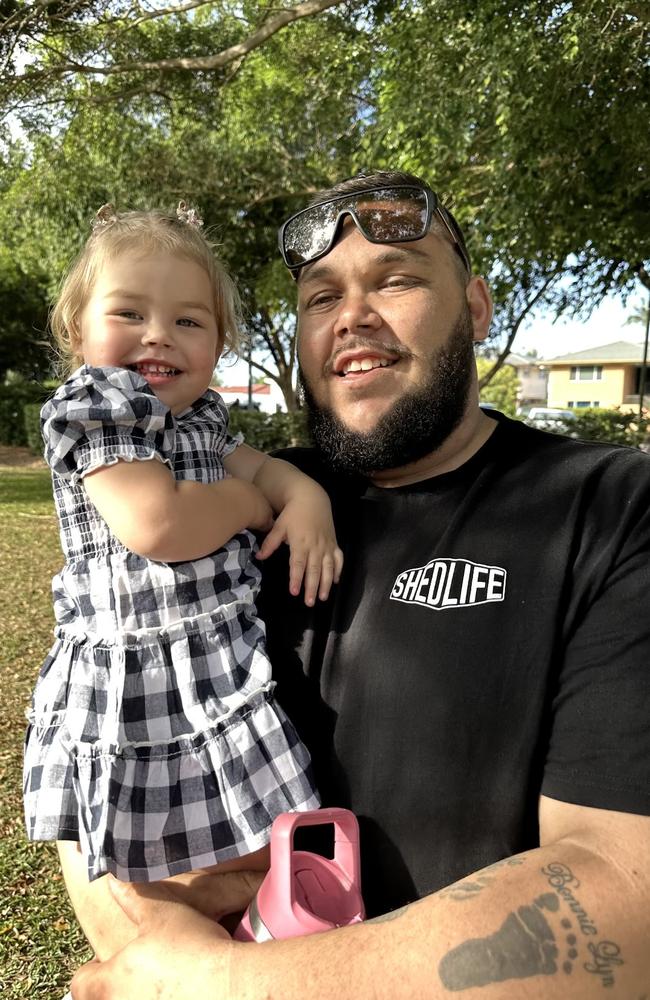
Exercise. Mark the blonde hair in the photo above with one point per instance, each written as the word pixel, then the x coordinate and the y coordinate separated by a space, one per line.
pixel 150 231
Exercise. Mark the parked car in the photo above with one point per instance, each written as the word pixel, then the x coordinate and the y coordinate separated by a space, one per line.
pixel 547 418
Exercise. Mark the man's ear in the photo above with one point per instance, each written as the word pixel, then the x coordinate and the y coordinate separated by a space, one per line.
pixel 479 301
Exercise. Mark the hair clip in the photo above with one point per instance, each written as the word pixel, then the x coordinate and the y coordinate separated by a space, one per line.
pixel 188 215
pixel 104 216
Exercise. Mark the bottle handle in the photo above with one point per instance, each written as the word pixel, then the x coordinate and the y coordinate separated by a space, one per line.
pixel 346 846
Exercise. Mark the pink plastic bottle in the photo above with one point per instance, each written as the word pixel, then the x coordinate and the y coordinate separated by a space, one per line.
pixel 302 892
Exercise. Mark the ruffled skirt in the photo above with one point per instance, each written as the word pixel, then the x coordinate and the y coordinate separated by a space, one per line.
pixel 163 752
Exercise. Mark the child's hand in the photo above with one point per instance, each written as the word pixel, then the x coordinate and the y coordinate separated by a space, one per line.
pixel 315 558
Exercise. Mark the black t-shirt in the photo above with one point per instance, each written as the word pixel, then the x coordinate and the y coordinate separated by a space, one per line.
pixel 489 642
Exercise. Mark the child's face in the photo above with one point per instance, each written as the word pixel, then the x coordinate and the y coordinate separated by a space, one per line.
pixel 155 315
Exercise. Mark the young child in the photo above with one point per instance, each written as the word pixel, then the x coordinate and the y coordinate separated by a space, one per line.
pixel 155 741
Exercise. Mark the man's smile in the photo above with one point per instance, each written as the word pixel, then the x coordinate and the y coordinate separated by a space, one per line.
pixel 363 359
pixel 364 365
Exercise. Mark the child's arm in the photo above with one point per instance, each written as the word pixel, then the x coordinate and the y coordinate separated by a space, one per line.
pixel 304 520
pixel 169 521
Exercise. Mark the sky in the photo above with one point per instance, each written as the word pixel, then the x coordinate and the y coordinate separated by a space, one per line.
pixel 605 325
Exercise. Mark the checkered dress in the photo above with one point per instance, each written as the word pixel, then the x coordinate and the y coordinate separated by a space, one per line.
pixel 154 738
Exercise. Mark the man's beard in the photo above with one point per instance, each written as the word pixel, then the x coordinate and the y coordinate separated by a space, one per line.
pixel 416 424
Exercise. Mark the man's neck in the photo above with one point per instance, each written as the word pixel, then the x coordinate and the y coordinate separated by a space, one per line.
pixel 470 435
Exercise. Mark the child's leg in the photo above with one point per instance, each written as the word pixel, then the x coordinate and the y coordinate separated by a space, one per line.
pixel 103 921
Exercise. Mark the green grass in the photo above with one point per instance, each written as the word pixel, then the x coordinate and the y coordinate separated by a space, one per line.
pixel 40 942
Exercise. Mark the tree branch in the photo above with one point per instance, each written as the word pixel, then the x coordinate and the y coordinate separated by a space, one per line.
pixel 265 371
pixel 151 90
pixel 162 12
pixel 500 361
pixel 307 8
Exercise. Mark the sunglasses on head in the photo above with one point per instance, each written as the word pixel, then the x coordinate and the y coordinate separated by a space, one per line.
pixel 398 213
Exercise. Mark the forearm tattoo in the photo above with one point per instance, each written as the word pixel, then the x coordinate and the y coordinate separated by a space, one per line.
pixel 469 888
pixel 551 935
pixel 391 915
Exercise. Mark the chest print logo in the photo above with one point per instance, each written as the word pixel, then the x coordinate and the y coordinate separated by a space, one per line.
pixel 450 583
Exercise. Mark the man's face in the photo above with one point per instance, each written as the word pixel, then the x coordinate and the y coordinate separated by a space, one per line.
pixel 385 349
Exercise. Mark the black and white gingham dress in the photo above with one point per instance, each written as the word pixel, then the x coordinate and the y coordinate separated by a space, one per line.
pixel 154 738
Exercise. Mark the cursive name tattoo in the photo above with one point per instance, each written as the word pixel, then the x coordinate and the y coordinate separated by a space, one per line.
pixel 605 956
pixel 538 939
pixel 561 878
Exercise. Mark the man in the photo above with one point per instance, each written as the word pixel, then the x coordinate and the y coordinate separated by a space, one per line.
pixel 477 689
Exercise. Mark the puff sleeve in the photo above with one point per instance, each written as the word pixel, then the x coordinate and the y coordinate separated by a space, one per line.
pixel 211 411
pixel 100 416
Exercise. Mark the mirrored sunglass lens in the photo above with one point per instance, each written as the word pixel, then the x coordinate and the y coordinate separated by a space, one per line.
pixel 309 234
pixel 389 215
pixel 394 221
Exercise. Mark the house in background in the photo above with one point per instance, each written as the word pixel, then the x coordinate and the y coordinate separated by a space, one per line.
pixel 532 376
pixel 265 396
pixel 606 376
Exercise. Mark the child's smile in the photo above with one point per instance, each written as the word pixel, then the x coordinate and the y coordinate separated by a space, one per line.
pixel 156 373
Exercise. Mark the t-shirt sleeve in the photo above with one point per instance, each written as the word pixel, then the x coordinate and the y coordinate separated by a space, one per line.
pixel 599 749
pixel 101 416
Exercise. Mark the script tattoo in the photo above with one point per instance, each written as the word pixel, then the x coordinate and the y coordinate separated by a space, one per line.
pixel 606 954
pixel 561 878
pixel 526 945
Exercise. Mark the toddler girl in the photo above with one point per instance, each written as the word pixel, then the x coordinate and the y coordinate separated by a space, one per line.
pixel 155 741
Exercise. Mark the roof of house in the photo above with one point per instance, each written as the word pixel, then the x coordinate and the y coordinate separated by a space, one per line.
pixel 620 350
pixel 258 389
pixel 520 361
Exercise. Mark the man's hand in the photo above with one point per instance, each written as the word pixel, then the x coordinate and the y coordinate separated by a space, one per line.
pixel 177 951
pixel 222 891
pixel 575 907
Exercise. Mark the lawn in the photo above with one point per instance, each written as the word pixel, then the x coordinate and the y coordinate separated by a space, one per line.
pixel 40 943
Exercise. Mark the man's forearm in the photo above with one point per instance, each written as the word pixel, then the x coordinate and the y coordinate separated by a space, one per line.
pixel 557 922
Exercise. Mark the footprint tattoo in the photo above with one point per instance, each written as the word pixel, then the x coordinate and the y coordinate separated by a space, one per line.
pixel 523 946
pixel 572 952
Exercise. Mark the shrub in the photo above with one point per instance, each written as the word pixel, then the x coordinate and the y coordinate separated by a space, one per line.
pixel 14 397
pixel 32 420
pixel 269 431
pixel 20 405
pixel 610 426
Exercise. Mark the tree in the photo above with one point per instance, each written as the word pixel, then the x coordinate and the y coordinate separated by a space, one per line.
pixel 530 114
pixel 639 315
pixel 23 301
pixel 23 322
pixel 244 153
pixel 502 388
pixel 75 49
